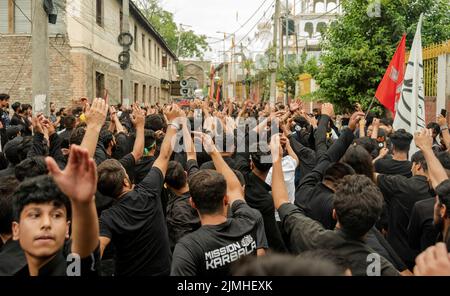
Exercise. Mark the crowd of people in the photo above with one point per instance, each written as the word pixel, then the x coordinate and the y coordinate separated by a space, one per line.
pixel 218 189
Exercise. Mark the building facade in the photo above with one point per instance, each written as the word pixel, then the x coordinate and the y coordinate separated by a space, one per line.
pixel 83 52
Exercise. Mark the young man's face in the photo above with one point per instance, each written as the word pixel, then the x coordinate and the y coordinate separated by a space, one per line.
pixel 42 229
pixel 4 103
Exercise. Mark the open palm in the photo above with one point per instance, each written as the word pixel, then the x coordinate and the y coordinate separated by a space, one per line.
pixel 79 179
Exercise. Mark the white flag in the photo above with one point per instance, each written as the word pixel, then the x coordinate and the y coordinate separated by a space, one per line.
pixel 410 108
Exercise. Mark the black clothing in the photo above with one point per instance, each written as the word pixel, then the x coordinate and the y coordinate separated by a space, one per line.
pixel 181 218
pixel 209 165
pixel 12 258
pixel 421 230
pixel 400 194
pixel 136 226
pixel 393 167
pixel 307 234
pixel 142 168
pixel 60 265
pixel 212 248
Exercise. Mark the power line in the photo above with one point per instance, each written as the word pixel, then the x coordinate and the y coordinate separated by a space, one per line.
pixel 245 23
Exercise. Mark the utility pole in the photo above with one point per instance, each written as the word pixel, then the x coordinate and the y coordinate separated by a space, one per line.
pixel 40 60
pixel 274 54
pixel 126 84
pixel 286 50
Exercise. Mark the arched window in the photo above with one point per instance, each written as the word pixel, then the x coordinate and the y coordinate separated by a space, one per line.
pixel 309 28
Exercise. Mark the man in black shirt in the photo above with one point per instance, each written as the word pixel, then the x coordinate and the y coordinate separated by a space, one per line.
pixel 42 213
pixel 220 241
pixel 399 163
pixel 400 195
pixel 135 223
pixel 12 258
pixel 181 217
pixel 357 206
pixel 144 165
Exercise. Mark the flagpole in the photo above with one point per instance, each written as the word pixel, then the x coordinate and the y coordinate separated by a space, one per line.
pixel 370 107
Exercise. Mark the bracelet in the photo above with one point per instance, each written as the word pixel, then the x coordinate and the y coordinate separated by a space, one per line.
pixel 444 127
pixel 176 126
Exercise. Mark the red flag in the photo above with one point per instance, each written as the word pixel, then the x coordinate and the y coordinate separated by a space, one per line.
pixel 388 91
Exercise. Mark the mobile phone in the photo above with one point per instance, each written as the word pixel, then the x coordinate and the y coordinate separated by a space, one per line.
pixel 444 112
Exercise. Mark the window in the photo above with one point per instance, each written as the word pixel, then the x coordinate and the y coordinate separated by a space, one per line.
pixel 144 91
pixel 159 58
pixel 99 84
pixel 121 20
pixel 136 90
pixel 99 12
pixel 135 38
pixel 121 90
pixel 154 51
pixel 143 45
pixel 164 61
pixel 150 94
pixel 149 50
pixel 20 24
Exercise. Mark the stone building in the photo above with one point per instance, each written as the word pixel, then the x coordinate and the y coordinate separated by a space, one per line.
pixel 83 52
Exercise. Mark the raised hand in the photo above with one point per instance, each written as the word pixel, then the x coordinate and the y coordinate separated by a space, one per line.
pixel 275 148
pixel 96 113
pixel 79 179
pixel 424 139
pixel 434 261
pixel 327 109
pixel 354 119
pixel 137 117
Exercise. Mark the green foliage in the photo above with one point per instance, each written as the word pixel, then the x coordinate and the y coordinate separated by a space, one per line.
pixel 357 48
pixel 290 73
pixel 191 44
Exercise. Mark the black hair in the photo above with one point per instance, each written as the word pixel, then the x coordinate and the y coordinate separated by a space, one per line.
pixel 77 135
pixel 360 160
pixel 207 188
pixel 31 167
pixel 443 193
pixel 444 159
pixel 77 111
pixel 149 138
pixel 285 265
pixel 175 175
pixel 4 97
pixel 259 159
pixel 15 154
pixel 367 143
pixel 155 122
pixel 39 190
pixel 15 106
pixel 69 122
pixel 110 178
pixel 358 203
pixel 435 127
pixel 419 158
pixel 25 107
pixel 8 185
pixel 106 137
pixel 386 121
pixel 337 171
pixel 401 140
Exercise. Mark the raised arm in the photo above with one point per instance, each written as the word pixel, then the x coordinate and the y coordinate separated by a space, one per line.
pixel 436 171
pixel 444 130
pixel 95 118
pixel 279 192
pixel 234 188
pixel 138 122
pixel 173 113
pixel 80 170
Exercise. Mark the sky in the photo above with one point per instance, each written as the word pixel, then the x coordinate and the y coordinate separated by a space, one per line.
pixel 210 16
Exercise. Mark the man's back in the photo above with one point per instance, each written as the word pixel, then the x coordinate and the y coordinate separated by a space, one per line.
pixel 393 167
pixel 400 194
pixel 212 248
pixel 136 227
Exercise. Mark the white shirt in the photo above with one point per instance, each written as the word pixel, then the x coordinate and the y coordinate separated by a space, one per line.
pixel 288 165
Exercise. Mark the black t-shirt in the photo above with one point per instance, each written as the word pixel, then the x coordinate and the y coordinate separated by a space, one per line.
pixel 393 167
pixel 136 227
pixel 65 264
pixel 12 258
pixel 142 168
pixel 181 217
pixel 212 248
pixel 400 194
pixel 421 230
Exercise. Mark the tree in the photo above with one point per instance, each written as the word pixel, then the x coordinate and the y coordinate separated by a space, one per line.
pixel 358 46
pixel 290 73
pixel 191 44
